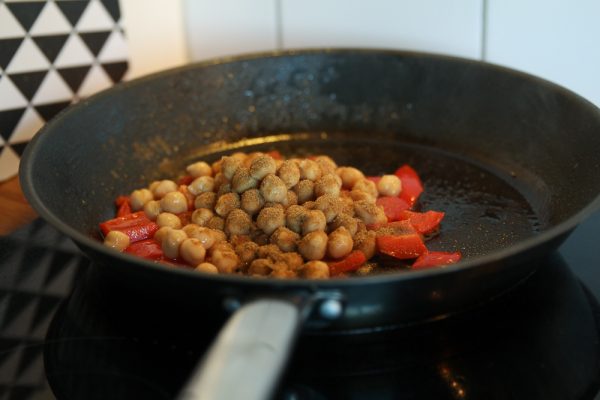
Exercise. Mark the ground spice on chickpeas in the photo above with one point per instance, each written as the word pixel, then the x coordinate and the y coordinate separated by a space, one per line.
pixel 262 216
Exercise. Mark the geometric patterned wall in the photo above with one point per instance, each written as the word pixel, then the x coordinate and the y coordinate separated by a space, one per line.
pixel 52 53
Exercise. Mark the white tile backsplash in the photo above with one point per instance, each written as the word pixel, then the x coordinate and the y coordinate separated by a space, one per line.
pixel 449 27
pixel 228 27
pixel 555 39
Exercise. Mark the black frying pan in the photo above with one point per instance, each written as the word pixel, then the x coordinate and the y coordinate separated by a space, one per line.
pixel 512 159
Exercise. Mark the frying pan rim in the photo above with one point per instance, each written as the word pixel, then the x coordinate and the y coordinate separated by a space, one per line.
pixel 522 246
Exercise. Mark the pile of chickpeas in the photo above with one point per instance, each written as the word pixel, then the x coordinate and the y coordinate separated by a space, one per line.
pixel 261 216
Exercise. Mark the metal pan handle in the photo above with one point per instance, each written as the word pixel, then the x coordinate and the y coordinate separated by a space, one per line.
pixel 247 357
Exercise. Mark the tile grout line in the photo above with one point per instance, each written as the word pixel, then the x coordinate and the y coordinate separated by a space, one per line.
pixel 278 25
pixel 484 29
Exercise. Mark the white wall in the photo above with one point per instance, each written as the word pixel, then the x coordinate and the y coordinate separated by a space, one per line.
pixel 555 39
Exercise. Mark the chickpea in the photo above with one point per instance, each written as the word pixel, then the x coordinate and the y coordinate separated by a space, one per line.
pixel 315 270
pixel 207 268
pixel 366 186
pixel 201 216
pixel 326 166
pixel 273 189
pixel 294 217
pixel 365 241
pixel 350 176
pixel 172 241
pixel 206 200
pixel 314 220
pixel 283 273
pixel 347 203
pixel 290 200
pixel 199 169
pixel 162 188
pixel 262 166
pixel 246 252
pixel 219 180
pixel 206 236
pixel 229 165
pixel 240 155
pixel 260 267
pixel 242 180
pixel 168 219
pixel 359 195
pixel 216 222
pixel 339 243
pixel 309 205
pixel 216 167
pixel 270 218
pixel 305 190
pixel 174 202
pixel 224 189
pixel 251 156
pixel 309 170
pixel 347 221
pixel 269 251
pixel 201 185
pixel 330 205
pixel 313 245
pixel 116 240
pixel 227 203
pixel 138 198
pixel 252 201
pixel 161 233
pixel 327 184
pixel 224 258
pixel 289 173
pixel 389 185
pixel 369 213
pixel 192 251
pixel 291 260
pixel 285 239
pixel 238 223
pixel 153 185
pixel 152 209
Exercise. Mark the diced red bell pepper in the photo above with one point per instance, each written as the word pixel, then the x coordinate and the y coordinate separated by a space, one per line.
pixel 411 184
pixel 148 249
pixel 424 223
pixel 393 207
pixel 275 154
pixel 401 247
pixel 352 262
pixel 185 180
pixel 436 259
pixel 124 209
pixel 185 217
pixel 137 226
pixel 374 179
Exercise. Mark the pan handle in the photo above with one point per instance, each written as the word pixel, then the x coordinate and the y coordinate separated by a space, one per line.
pixel 247 357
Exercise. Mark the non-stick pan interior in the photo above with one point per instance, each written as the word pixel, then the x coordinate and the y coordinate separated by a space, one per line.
pixel 537 142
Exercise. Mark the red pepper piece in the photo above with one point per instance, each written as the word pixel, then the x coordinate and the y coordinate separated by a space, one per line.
pixel 124 208
pixel 148 249
pixel 275 154
pixel 120 200
pixel 393 207
pixel 411 184
pixel 185 180
pixel 374 179
pixel 393 228
pixel 436 259
pixel 401 247
pixel 424 223
pixel 352 262
pixel 185 217
pixel 137 226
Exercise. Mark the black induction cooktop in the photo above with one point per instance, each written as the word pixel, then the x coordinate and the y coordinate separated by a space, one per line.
pixel 58 340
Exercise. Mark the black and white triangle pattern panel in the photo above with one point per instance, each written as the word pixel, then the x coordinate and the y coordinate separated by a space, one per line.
pixel 52 53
